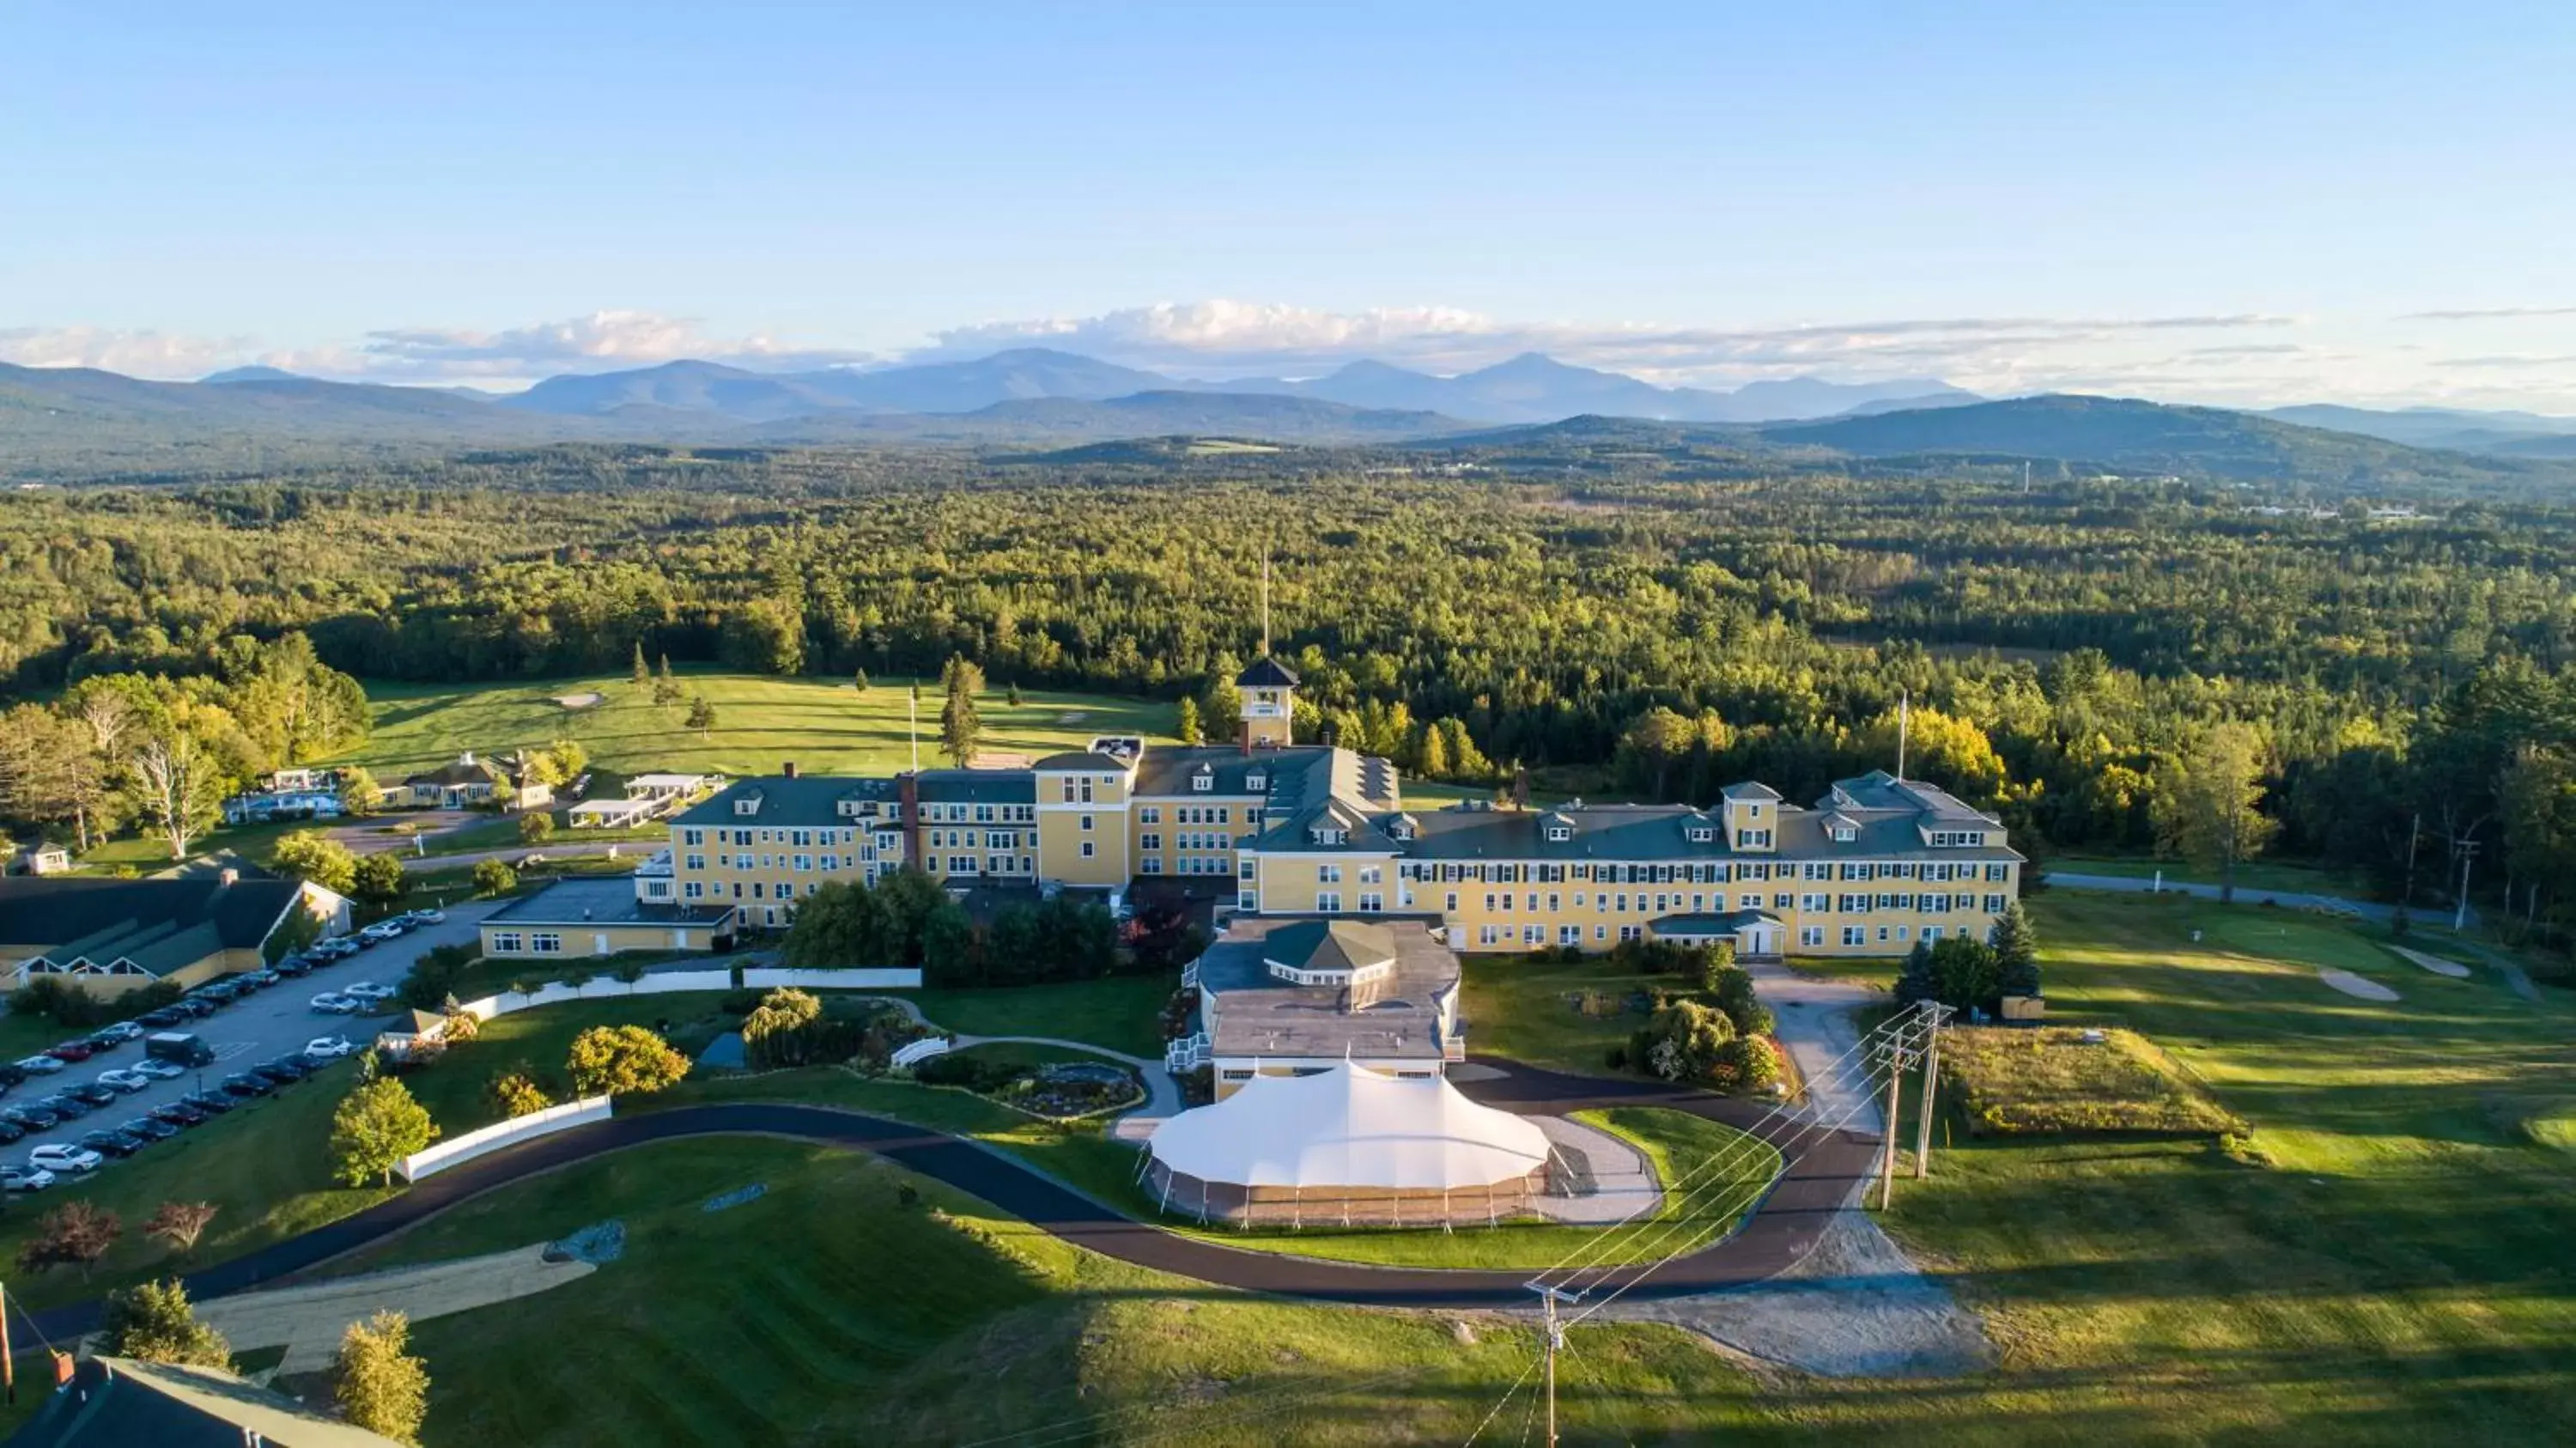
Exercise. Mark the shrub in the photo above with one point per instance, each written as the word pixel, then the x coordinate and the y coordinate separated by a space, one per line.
pixel 153 1322
pixel 516 1093
pixel 492 877
pixel 1681 1041
pixel 956 1068
pixel 623 1061
pixel 1747 1063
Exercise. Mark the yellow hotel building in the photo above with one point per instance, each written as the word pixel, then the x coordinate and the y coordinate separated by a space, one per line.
pixel 1317 830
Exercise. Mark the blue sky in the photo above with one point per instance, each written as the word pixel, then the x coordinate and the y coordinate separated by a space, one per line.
pixel 2247 202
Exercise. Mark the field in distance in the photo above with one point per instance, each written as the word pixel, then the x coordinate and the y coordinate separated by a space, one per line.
pixel 826 726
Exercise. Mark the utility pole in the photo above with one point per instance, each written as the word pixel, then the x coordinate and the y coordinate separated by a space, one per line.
pixel 8 1364
pixel 1904 726
pixel 1887 1135
pixel 1265 603
pixel 1923 1118
pixel 912 722
pixel 2414 834
pixel 1548 1298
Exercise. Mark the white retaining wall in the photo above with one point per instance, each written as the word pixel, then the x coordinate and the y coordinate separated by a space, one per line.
pixel 660 982
pixel 490 1139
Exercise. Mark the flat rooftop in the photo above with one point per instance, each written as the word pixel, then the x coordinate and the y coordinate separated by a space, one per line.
pixel 600 900
pixel 1253 1013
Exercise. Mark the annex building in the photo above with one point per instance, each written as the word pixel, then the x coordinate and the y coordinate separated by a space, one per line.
pixel 1273 828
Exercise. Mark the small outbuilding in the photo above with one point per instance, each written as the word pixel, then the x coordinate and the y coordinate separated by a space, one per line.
pixel 1346 1145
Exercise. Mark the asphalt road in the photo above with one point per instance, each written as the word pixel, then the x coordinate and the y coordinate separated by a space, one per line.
pixel 1827 1168
pixel 256 1028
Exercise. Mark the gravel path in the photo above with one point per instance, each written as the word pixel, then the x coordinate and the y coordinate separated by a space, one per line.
pixel 307 1321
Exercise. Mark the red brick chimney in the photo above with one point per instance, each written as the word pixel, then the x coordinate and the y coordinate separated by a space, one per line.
pixel 788 770
pixel 908 803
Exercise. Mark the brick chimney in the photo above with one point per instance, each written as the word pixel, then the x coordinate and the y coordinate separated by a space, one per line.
pixel 908 803
pixel 788 769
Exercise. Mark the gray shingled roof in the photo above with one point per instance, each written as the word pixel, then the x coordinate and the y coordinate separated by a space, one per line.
pixel 58 910
pixel 600 900
pixel 1258 1014
pixel 1267 673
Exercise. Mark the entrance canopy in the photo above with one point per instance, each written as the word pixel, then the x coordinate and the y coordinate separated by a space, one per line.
pixel 1350 1127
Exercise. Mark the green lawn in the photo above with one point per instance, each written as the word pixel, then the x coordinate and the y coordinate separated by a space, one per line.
pixel 824 725
pixel 1531 1010
pixel 266 1166
pixel 827 1311
pixel 1121 1012
pixel 2253 875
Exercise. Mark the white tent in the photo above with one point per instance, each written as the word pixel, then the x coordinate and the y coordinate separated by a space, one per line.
pixel 1350 1127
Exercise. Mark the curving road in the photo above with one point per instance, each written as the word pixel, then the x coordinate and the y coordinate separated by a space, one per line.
pixel 1827 1166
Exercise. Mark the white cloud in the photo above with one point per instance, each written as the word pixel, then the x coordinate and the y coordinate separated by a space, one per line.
pixel 2488 314
pixel 604 341
pixel 1231 338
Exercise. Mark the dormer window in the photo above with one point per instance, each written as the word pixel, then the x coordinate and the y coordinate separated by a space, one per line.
pixel 1203 783
pixel 1700 834
pixel 1328 835
pixel 747 805
pixel 1256 781
pixel 1845 834
pixel 1560 833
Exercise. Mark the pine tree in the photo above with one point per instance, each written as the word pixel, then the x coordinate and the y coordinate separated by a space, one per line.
pixel 859 679
pixel 643 675
pixel 2016 952
pixel 702 715
pixel 153 1322
pixel 1916 981
pixel 1435 754
pixel 961 730
pixel 1188 730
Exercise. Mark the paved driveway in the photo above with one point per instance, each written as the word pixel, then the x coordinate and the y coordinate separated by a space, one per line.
pixel 256 1028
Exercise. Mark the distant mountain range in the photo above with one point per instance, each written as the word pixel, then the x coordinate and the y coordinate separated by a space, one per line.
pixel 1528 388
pixel 85 422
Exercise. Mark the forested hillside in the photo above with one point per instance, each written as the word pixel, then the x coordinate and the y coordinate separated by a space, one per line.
pixel 2069 650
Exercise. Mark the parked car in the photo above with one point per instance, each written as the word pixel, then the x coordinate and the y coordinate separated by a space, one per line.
pixel 92 1092
pixel 380 932
pixel 212 1103
pixel 71 1051
pixel 223 990
pixel 162 1019
pixel 331 1003
pixel 337 948
pixel 24 1178
pixel 430 917
pixel 367 990
pixel 158 1069
pixel 190 1008
pixel 148 1128
pixel 293 965
pixel 11 1074
pixel 279 1072
pixel 126 1080
pixel 41 1065
pixel 243 1083
pixel 117 1033
pixel 59 1158
pixel 11 1132
pixel 65 1105
pixel 111 1143
pixel 262 978
pixel 178 1113
pixel 31 1118
pixel 328 1048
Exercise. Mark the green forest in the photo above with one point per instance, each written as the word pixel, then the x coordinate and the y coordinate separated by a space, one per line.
pixel 2200 668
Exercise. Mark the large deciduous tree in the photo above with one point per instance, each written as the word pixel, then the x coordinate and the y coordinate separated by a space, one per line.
pixel 376 1126
pixel 2208 800
pixel 623 1061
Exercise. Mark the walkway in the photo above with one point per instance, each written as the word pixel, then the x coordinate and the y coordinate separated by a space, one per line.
pixel 1162 1093
pixel 1779 1233
pixel 1616 1180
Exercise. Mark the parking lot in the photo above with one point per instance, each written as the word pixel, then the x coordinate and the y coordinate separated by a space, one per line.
pixel 258 1027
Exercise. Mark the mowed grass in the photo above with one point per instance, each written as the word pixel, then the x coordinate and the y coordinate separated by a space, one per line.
pixel 825 725
pixel 2253 877
pixel 829 1311
pixel 1120 1012
pixel 265 1166
pixel 2402 1274
pixel 1532 1010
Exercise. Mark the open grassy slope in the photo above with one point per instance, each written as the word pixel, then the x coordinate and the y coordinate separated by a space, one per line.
pixel 761 721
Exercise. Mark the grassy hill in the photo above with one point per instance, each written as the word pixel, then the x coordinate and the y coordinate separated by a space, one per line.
pixel 825 726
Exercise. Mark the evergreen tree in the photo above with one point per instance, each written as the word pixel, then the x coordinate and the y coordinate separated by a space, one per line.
pixel 961 729
pixel 152 1322
pixel 1914 982
pixel 643 674
pixel 2016 948
pixel 702 715
pixel 859 680
pixel 381 1386
pixel 1187 729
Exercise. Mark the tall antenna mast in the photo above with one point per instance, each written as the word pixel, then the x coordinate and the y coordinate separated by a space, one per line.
pixel 912 721
pixel 1265 603
pixel 1904 723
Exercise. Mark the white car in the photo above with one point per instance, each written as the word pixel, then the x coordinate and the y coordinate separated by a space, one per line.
pixel 380 932
pixel 16 1178
pixel 335 1005
pixel 60 1158
pixel 41 1065
pixel 121 1030
pixel 366 990
pixel 125 1080
pixel 328 1048
pixel 158 1069
pixel 430 917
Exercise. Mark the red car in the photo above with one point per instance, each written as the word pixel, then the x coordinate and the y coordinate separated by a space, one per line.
pixel 72 1051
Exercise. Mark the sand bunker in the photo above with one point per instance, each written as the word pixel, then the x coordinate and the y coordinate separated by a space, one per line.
pixel 581 701
pixel 2355 985
pixel 2433 963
